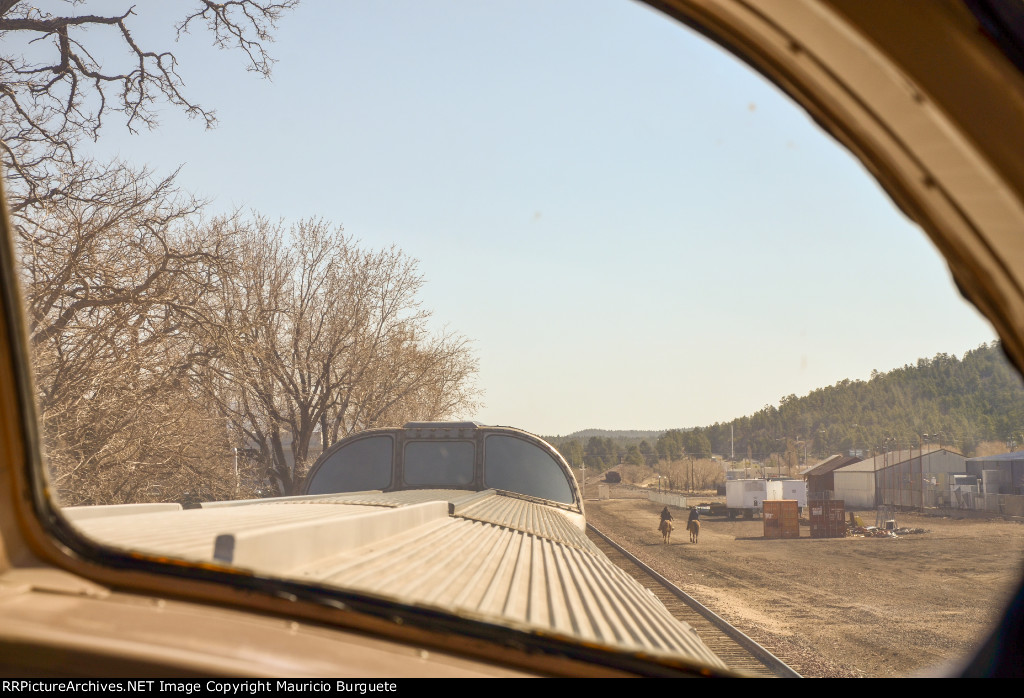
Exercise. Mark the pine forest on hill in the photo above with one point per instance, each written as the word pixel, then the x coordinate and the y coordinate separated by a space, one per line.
pixel 957 403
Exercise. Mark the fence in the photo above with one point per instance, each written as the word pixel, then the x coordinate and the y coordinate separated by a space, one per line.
pixel 952 498
pixel 673 500
pixel 1006 504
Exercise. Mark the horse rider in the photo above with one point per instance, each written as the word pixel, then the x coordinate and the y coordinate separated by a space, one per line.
pixel 694 516
pixel 666 515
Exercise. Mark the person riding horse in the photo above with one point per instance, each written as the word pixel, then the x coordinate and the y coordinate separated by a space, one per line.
pixel 693 524
pixel 665 525
pixel 666 515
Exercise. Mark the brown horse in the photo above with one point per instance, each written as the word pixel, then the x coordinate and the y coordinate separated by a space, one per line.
pixel 694 528
pixel 666 530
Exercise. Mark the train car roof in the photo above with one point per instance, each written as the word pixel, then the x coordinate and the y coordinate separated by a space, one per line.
pixel 484 555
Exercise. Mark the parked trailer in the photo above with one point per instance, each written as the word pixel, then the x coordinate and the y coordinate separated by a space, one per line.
pixel 745 497
pixel 748 496
pixel 795 489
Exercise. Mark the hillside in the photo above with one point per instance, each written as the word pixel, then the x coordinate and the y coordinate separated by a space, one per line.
pixel 619 435
pixel 945 400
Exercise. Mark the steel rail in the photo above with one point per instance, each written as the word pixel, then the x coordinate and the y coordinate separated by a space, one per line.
pixel 770 661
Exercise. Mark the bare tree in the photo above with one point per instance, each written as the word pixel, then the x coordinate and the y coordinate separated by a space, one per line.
pixel 408 379
pixel 316 332
pixel 707 474
pixel 54 92
pixel 271 342
pixel 112 282
pixel 396 370
pixel 162 342
pixel 152 334
pixel 693 473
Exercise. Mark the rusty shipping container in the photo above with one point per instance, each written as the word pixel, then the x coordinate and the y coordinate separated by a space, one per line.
pixel 828 518
pixel 781 518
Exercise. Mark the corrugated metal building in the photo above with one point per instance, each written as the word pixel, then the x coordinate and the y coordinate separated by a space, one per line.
pixel 820 478
pixel 919 481
pixel 855 484
pixel 905 478
pixel 1002 474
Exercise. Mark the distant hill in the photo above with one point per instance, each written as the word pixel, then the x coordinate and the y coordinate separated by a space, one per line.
pixel 958 402
pixel 616 434
pixel 945 400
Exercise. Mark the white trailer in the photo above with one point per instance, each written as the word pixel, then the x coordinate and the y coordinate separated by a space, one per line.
pixel 794 489
pixel 745 497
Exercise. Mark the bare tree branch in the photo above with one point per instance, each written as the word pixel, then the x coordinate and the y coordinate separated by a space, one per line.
pixel 235 22
pixel 161 341
pixel 114 273
pixel 319 334
pixel 55 93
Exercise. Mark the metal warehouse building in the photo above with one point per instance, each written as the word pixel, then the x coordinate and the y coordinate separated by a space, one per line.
pixel 905 478
pixel 1002 474
pixel 821 478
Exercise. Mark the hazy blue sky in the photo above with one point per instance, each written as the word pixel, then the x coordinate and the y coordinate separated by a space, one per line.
pixel 635 230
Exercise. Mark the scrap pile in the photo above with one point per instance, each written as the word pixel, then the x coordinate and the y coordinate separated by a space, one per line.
pixel 870 532
pixel 889 530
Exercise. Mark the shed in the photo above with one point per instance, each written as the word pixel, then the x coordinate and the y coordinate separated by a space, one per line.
pixel 820 478
pixel 1005 472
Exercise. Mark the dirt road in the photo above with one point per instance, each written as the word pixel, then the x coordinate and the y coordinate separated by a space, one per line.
pixel 838 607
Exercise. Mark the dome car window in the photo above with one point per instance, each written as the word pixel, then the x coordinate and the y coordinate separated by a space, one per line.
pixel 440 463
pixel 517 466
pixel 364 464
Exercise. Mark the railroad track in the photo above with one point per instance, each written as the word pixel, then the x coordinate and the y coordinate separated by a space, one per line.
pixel 735 649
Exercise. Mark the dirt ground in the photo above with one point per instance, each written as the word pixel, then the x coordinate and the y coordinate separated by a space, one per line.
pixel 846 607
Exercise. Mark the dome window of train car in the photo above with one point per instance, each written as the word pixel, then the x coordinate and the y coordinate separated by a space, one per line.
pixel 363 464
pixel 444 455
pixel 439 463
pixel 513 464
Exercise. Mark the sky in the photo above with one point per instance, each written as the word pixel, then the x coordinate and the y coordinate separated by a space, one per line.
pixel 636 230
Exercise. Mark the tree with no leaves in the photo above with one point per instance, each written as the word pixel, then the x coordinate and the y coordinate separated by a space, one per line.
pixel 161 341
pixel 113 280
pixel 54 92
pixel 310 331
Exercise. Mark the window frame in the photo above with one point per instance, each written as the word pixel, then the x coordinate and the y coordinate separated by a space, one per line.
pixel 980 254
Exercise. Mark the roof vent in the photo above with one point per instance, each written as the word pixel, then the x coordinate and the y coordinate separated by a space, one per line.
pixel 442 425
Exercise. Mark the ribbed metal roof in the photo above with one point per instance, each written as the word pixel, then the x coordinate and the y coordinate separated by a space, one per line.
pixel 831 463
pixel 486 555
pixel 404 497
pixel 888 459
pixel 380 498
pixel 526 516
pixel 493 572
